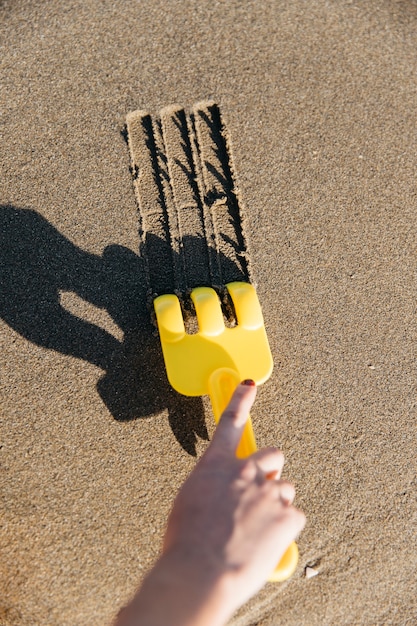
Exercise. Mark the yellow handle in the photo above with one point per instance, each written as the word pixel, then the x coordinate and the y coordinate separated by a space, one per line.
pixel 222 384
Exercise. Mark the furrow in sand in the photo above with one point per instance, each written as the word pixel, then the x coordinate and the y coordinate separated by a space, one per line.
pixel 186 199
pixel 171 213
pixel 214 267
pixel 220 193
pixel 154 239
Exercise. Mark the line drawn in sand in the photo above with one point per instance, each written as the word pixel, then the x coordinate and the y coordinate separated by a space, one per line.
pixel 188 200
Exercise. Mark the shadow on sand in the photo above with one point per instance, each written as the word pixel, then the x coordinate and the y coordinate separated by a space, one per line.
pixel 38 263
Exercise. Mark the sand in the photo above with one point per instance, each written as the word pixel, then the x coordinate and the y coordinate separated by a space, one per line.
pixel 319 100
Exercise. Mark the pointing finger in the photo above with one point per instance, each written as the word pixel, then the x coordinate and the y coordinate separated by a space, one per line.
pixel 232 422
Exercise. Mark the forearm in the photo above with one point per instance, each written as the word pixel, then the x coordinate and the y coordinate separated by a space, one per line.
pixel 179 592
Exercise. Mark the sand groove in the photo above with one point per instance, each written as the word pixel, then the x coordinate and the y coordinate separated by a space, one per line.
pixel 191 230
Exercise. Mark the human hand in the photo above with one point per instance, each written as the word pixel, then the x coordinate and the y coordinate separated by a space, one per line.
pixel 236 513
pixel 230 524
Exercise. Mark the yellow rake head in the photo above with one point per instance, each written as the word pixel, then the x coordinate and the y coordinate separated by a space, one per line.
pixel 190 360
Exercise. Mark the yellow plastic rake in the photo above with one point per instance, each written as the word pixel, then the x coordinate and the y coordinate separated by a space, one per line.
pixel 215 360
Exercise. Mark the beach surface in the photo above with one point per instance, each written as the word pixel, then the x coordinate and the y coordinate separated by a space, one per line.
pixel 319 101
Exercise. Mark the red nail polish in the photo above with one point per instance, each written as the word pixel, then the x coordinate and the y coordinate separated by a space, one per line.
pixel 249 382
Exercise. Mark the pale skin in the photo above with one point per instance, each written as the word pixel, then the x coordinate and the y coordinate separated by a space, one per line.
pixel 230 524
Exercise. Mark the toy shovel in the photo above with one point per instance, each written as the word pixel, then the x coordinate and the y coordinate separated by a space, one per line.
pixel 216 359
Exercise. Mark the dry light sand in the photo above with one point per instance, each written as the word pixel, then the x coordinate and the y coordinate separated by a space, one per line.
pixel 319 99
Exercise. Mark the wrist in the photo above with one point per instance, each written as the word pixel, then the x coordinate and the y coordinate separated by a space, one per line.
pixel 180 592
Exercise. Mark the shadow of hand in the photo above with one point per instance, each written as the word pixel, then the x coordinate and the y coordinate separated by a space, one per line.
pixel 38 263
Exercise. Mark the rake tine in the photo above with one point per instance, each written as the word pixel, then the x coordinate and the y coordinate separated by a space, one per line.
pixel 169 316
pixel 208 311
pixel 246 303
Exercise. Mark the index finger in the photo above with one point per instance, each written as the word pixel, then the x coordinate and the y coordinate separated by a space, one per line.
pixel 232 422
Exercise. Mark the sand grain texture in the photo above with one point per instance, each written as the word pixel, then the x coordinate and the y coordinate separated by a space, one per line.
pixel 319 100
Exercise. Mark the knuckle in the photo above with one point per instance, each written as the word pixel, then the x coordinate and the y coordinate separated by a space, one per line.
pixel 300 517
pixel 278 456
pixel 273 455
pixel 270 490
pixel 285 484
pixel 229 414
pixel 248 470
pixel 275 451
pixel 271 451
pixel 287 490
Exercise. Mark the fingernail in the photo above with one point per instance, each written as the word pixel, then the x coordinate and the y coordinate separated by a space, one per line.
pixel 249 382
